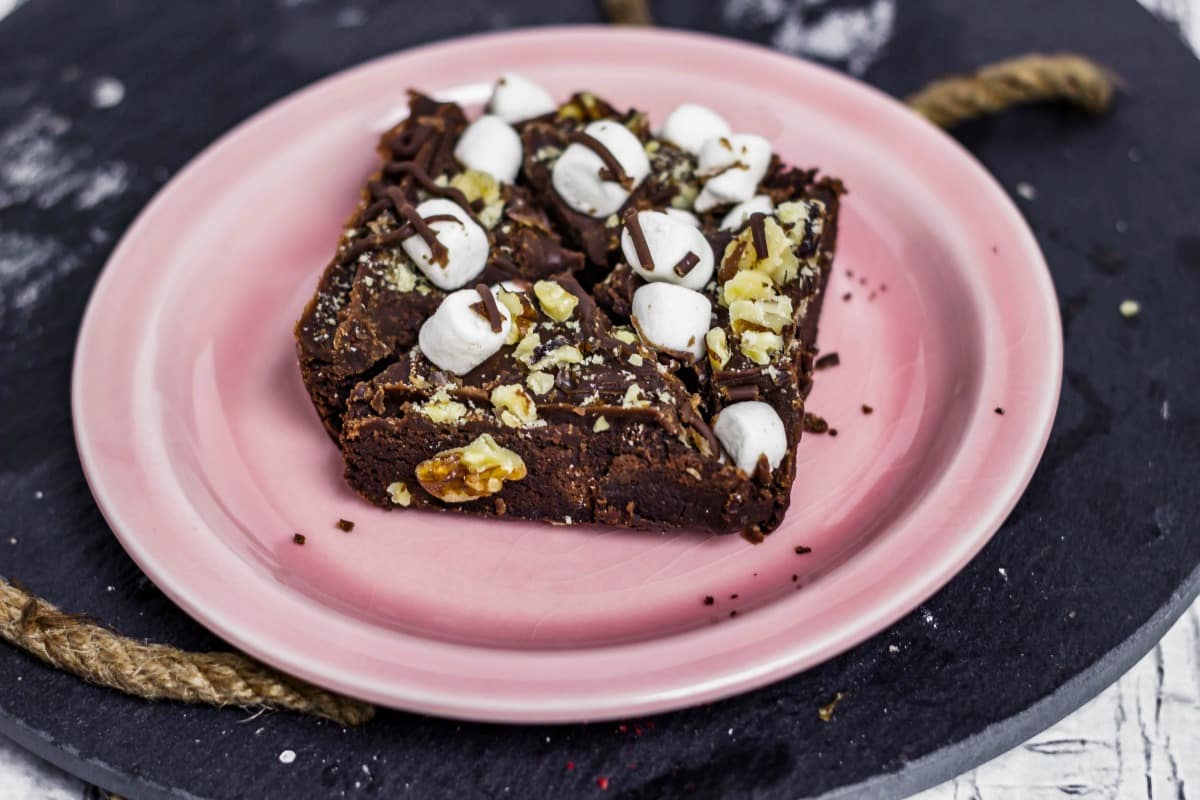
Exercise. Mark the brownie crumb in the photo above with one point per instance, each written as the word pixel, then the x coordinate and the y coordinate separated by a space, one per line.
pixel 826 361
pixel 345 525
pixel 871 296
pixel 999 410
pixel 802 550
pixel 847 296
pixel 709 600
pixel 866 409
pixel 298 538
pixel 733 596
pixel 833 431
pixel 795 577
pixel 849 273
pixel 825 712
pixel 882 288
pixel 733 613
pixel 814 424
pixel 862 281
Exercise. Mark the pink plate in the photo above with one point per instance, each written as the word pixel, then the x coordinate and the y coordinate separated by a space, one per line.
pixel 205 456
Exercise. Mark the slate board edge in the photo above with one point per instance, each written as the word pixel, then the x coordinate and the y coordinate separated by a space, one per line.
pixel 930 770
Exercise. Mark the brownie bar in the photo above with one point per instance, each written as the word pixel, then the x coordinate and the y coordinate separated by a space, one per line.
pixel 579 416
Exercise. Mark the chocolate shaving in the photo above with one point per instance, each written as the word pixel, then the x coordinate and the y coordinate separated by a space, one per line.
pixel 437 250
pixel 758 232
pixel 491 310
pixel 640 245
pixel 345 525
pixel 686 264
pixel 826 361
pixel 612 170
pixel 442 218
pixel 737 394
pixel 736 377
pixel 815 424
pixel 428 184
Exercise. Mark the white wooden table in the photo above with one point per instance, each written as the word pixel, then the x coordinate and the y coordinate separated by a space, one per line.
pixel 1139 739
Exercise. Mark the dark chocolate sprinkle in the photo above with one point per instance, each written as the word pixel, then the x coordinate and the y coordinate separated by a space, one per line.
pixel 492 311
pixel 345 525
pixel 687 264
pixel 999 410
pixel 640 245
pixel 866 409
pixel 298 538
pixel 802 550
pixel 729 266
pixel 739 393
pixel 758 232
pixel 709 600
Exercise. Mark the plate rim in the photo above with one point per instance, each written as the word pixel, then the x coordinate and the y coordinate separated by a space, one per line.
pixel 1000 503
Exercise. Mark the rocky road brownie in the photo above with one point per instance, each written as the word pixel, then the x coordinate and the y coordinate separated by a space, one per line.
pixel 554 313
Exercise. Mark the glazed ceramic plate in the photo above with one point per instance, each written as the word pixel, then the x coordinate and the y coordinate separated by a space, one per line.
pixel 205 455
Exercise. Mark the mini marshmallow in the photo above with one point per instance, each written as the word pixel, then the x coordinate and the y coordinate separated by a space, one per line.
pixel 489 144
pixel 736 164
pixel 515 98
pixel 737 216
pixel 669 241
pixel 576 174
pixel 672 318
pixel 749 430
pixel 457 338
pixel 466 244
pixel 691 125
pixel 682 216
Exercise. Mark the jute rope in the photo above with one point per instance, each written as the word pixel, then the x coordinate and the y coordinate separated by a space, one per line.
pixel 84 648
pixel 1066 78
pixel 157 672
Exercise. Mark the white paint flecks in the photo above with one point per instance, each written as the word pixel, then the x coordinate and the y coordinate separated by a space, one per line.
pixel 28 266
pixel 40 167
pixel 1027 190
pixel 856 36
pixel 107 92
pixel 350 17
pixel 747 13
pixel 287 756
pixel 9 6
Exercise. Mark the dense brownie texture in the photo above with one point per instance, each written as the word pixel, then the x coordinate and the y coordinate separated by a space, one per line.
pixel 606 429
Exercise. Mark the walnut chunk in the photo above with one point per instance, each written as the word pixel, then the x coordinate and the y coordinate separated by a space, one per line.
pixel 718 347
pixel 540 382
pixel 626 335
pixel 773 314
pixel 514 406
pixel 440 408
pixel 557 302
pixel 477 185
pixel 600 425
pixel 747 285
pixel 399 493
pixel 634 398
pixel 780 263
pixel 462 474
pixel 759 345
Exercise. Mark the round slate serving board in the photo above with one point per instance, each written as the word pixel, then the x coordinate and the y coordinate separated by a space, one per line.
pixel 1091 568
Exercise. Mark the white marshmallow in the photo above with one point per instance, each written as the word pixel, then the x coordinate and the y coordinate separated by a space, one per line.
pixel 515 98
pixel 749 430
pixel 669 240
pixel 489 144
pixel 691 125
pixel 510 286
pixel 737 216
pixel 736 163
pixel 466 244
pixel 682 216
pixel 673 318
pixel 576 174
pixel 456 338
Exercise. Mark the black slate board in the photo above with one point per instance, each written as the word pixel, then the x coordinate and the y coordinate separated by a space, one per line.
pixel 1100 556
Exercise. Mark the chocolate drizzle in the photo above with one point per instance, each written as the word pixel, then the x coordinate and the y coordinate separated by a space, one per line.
pixel 438 252
pixel 638 236
pixel 739 377
pixel 686 264
pixel 612 169
pixel 491 311
pixel 427 183
pixel 758 232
